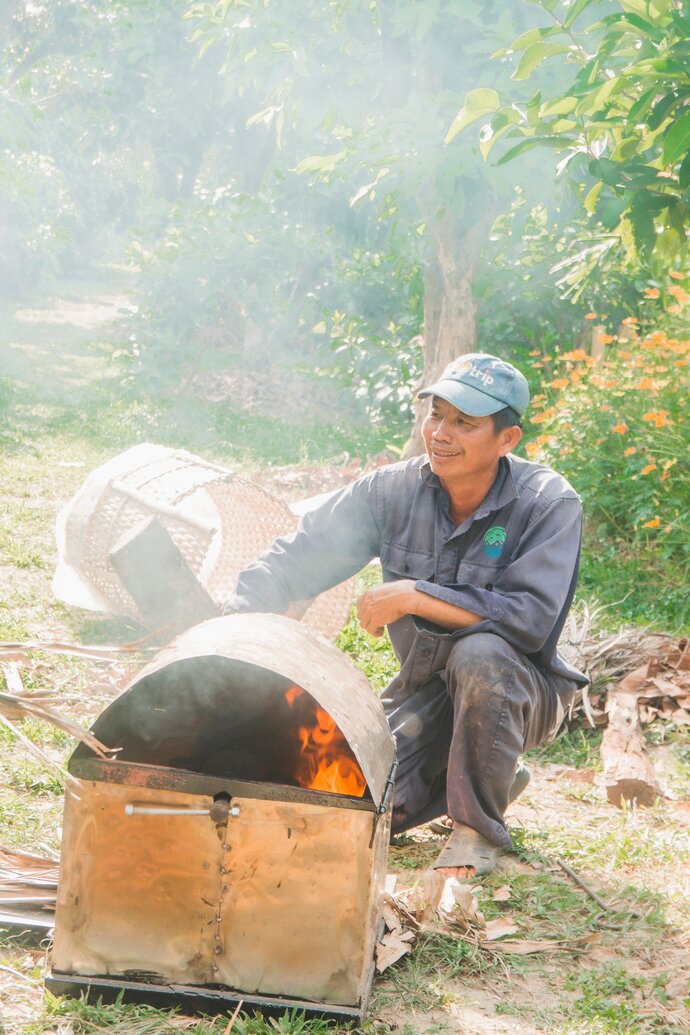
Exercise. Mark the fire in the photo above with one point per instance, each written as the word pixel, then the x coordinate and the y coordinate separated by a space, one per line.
pixel 326 761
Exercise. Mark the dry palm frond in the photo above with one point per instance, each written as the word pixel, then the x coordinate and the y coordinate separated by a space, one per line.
pixel 18 651
pixel 19 865
pixel 28 886
pixel 654 666
pixel 21 705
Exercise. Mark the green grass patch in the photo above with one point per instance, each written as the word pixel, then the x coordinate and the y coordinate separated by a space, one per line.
pixel 576 746
pixel 79 1017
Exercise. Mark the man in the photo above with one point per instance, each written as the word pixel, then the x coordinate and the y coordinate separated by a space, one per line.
pixel 480 552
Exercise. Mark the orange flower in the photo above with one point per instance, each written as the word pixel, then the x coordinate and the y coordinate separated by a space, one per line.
pixel 534 352
pixel 644 384
pixel 630 321
pixel 539 418
pixel 624 355
pixel 654 523
pixel 560 382
pixel 648 469
pixel 630 451
pixel 676 275
pixel 606 339
pixel 657 418
pixel 590 316
pixel 575 355
pixel 652 292
pixel 674 309
pixel 678 293
pixel 620 429
pixel 532 449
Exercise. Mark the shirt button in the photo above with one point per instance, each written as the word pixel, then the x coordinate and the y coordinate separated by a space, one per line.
pixel 425 652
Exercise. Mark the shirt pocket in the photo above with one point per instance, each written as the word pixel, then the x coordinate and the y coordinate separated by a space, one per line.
pixel 481 574
pixel 404 562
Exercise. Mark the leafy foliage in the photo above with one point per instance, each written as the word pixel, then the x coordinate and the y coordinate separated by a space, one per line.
pixel 621 123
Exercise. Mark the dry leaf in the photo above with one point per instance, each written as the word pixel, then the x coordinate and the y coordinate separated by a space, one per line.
pixel 391 948
pixel 423 898
pixel 501 927
pixel 667 687
pixel 635 680
pixel 502 894
pixel 390 918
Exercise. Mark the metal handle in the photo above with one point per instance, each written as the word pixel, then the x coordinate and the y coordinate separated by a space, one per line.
pixel 133 809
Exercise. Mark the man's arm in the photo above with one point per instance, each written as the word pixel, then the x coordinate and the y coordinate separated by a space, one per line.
pixel 330 544
pixel 383 604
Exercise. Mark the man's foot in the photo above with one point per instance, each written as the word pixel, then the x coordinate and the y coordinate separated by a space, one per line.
pixel 444 824
pixel 467 853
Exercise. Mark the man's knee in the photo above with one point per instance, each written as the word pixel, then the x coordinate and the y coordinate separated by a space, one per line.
pixel 480 661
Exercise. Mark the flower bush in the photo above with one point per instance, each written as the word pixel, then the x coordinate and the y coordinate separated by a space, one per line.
pixel 616 427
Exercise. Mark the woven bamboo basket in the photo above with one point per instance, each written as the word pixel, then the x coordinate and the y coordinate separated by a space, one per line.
pixel 220 522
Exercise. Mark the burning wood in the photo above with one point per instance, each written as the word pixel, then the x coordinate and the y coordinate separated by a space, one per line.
pixel 326 761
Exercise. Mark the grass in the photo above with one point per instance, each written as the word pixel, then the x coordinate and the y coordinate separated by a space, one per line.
pixel 625 983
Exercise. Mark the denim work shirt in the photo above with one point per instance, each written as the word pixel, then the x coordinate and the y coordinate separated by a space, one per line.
pixel 514 562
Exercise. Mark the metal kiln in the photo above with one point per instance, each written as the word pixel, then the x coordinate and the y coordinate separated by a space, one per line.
pixel 194 868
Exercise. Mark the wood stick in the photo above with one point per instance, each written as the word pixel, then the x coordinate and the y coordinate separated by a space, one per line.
pixel 234 1017
pixel 585 887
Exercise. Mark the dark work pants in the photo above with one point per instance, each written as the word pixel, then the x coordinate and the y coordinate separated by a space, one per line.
pixel 460 734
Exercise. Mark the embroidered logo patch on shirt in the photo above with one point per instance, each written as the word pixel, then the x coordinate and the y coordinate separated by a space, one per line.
pixel 493 541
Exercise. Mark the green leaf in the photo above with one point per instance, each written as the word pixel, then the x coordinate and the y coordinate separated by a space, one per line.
pixel 533 36
pixel 561 106
pixel 478 103
pixel 500 125
pixel 677 140
pixel 558 143
pixel 534 55
pixel 592 197
pixel 319 163
pixel 644 232
pixel 609 172
pixel 600 95
pixel 647 7
pixel 684 172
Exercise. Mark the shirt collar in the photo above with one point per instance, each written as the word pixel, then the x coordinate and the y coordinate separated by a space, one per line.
pixel 503 491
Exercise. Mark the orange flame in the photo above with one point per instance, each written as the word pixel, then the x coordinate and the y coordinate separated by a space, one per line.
pixel 326 760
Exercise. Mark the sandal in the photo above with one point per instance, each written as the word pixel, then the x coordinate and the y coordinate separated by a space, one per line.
pixel 468 849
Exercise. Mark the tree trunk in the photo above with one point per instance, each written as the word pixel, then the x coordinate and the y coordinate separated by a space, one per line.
pixel 450 311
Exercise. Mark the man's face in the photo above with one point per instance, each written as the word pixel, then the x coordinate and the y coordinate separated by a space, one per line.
pixel 460 446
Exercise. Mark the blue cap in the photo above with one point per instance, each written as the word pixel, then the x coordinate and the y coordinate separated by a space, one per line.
pixel 479 384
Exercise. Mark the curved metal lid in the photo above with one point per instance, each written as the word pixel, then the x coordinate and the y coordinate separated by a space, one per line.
pixel 220 672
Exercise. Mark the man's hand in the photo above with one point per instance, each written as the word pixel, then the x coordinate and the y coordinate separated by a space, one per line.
pixel 378 607
pixel 386 603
